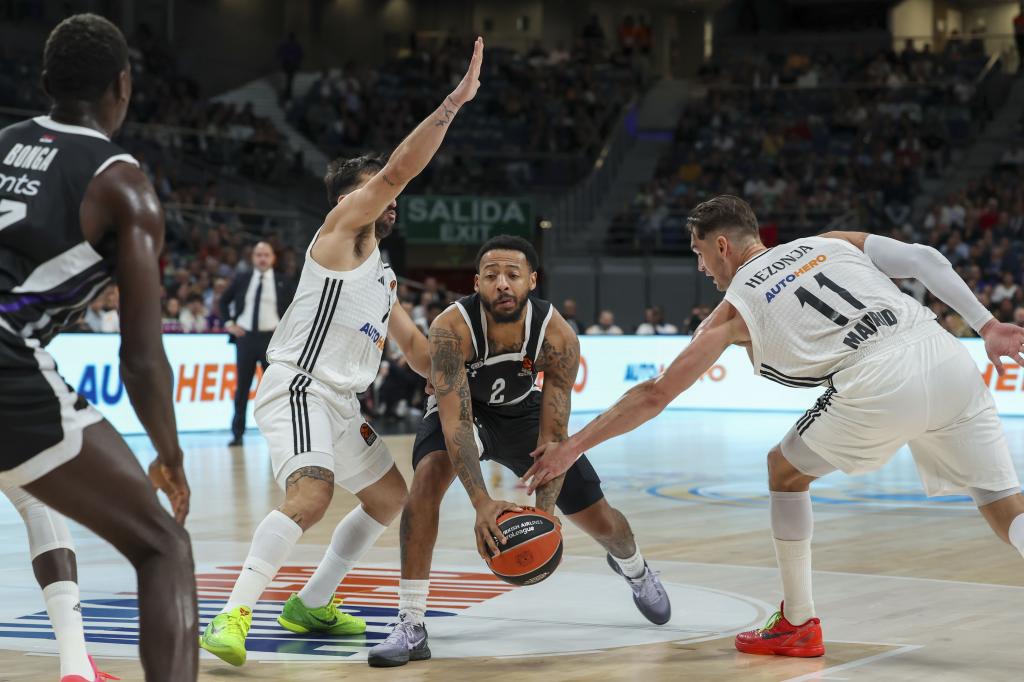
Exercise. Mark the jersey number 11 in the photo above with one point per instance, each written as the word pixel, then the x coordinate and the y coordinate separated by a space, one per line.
pixel 807 298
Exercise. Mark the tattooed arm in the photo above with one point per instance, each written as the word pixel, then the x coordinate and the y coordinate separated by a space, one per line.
pixel 362 206
pixel 560 362
pixel 450 346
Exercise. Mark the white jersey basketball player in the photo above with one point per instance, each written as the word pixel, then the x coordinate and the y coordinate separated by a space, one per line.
pixel 823 311
pixel 326 349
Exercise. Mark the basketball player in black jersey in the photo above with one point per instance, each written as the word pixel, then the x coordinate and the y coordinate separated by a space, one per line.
pixel 486 351
pixel 76 211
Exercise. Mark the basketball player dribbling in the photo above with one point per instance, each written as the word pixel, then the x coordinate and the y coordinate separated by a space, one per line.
pixel 486 351
pixel 326 350
pixel 75 211
pixel 823 311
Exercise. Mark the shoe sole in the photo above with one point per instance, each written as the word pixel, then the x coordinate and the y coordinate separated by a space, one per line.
pixel 791 651
pixel 415 655
pixel 302 629
pixel 225 654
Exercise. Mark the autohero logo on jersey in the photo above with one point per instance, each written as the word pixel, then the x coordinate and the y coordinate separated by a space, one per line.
pixel 764 274
pixel 374 334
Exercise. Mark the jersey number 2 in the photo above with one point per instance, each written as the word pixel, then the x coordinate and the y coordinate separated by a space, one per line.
pixel 807 298
pixel 496 391
pixel 11 212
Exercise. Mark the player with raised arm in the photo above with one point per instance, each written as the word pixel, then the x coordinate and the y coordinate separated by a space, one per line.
pixel 823 311
pixel 77 212
pixel 486 351
pixel 326 350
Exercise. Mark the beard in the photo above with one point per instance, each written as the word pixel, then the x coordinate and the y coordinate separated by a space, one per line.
pixel 502 317
pixel 383 226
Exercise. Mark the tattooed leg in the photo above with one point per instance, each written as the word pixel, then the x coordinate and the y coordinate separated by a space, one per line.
pixel 307 494
pixel 607 526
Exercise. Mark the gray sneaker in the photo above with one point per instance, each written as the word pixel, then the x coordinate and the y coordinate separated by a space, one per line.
pixel 407 642
pixel 649 594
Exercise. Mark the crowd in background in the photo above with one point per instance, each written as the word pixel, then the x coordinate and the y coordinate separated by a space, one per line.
pixel 539 123
pixel 806 138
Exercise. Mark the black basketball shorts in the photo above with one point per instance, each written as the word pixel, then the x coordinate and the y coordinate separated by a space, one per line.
pixel 41 417
pixel 508 436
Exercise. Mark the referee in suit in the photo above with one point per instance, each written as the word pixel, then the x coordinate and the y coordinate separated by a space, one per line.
pixel 253 305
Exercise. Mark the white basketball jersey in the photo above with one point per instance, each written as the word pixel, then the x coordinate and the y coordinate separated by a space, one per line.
pixel 336 326
pixel 814 306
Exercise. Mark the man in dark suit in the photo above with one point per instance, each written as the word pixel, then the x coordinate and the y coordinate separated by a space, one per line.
pixel 252 306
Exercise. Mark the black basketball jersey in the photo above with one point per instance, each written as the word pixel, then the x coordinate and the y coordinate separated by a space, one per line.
pixel 506 379
pixel 48 271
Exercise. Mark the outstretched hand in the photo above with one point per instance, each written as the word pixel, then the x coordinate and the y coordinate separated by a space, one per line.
pixel 466 89
pixel 550 460
pixel 1003 340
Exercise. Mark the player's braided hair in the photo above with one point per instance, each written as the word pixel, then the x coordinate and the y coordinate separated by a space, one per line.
pixel 507 242
pixel 83 56
pixel 344 174
pixel 724 212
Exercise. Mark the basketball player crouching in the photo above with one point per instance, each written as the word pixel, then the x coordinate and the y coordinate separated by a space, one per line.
pixel 326 350
pixel 486 351
pixel 823 311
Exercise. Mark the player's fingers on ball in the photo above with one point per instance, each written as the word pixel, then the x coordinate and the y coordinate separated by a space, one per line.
pixel 488 547
pixel 496 533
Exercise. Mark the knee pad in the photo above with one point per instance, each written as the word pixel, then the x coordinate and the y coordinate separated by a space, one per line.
pixel 47 530
pixel 984 497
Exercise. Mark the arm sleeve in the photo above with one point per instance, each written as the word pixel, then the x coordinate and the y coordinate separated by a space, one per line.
pixel 899 260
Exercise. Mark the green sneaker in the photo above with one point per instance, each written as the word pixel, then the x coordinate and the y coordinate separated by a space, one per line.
pixel 225 636
pixel 299 618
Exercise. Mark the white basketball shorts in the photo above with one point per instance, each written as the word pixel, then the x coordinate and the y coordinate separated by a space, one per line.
pixel 927 393
pixel 307 424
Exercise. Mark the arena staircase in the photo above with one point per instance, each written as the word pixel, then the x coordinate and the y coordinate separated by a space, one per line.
pixel 637 143
pixel 989 147
pixel 264 98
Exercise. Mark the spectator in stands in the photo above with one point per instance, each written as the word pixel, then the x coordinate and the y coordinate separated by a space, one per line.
pixel 1018 316
pixel 1005 290
pixel 654 323
pixel 252 306
pixel 605 325
pixel 289 56
pixel 434 308
pixel 171 321
pixel 569 313
pixel 697 315
pixel 194 316
pixel 102 315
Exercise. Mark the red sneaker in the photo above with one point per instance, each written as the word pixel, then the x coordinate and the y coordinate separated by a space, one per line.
pixel 779 637
pixel 97 675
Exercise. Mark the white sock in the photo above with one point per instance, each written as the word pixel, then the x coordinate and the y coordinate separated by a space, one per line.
pixel 351 539
pixel 632 567
pixel 1016 533
pixel 271 544
pixel 794 558
pixel 412 599
pixel 65 613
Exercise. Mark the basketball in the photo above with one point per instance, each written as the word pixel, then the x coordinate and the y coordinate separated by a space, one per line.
pixel 534 547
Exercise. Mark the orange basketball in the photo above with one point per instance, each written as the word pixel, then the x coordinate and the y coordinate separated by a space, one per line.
pixel 534 547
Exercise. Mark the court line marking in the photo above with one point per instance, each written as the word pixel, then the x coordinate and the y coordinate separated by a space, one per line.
pixel 820 674
pixel 848 574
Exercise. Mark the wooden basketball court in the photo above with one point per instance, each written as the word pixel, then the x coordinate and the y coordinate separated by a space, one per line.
pixel 907 588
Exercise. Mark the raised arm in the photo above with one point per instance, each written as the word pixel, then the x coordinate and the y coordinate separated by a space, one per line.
pixel 925 264
pixel 362 206
pixel 645 400
pixel 560 362
pixel 449 349
pixel 410 339
pixel 124 197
